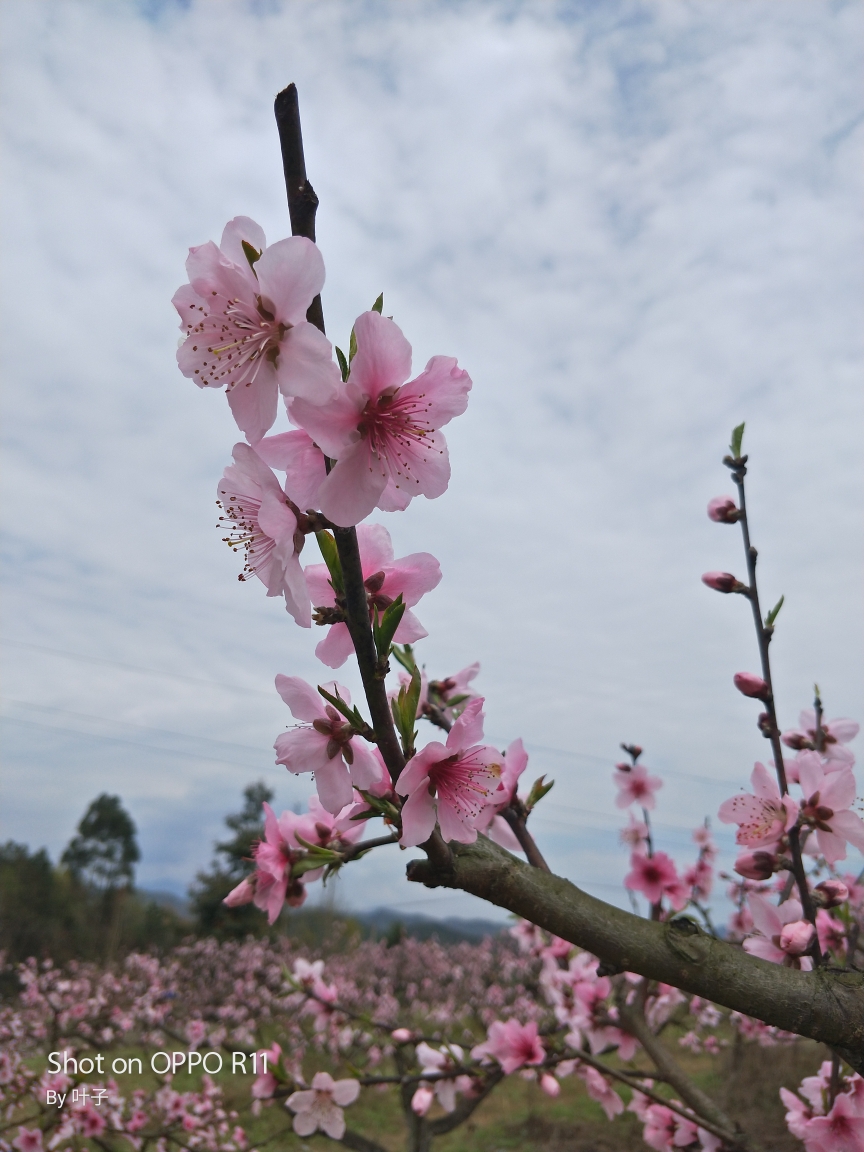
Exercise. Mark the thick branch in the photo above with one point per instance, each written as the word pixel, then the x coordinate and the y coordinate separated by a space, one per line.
pixel 360 1143
pixel 825 1005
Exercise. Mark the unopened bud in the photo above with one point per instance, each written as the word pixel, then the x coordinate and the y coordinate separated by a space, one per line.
pixel 756 865
pixel 796 938
pixel 723 582
pixel 831 893
pixel 549 1084
pixel 723 510
pixel 749 684
pixel 401 1035
pixel 421 1101
pixel 764 725
pixel 796 741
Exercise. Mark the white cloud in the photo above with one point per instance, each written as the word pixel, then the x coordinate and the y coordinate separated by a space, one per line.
pixel 635 224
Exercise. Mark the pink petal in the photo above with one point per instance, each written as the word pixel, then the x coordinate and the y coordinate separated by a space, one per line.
pixel 290 275
pixel 764 949
pixel 383 358
pixel 305 366
pixel 444 387
pixel 843 730
pixel 318 583
pixel 850 826
pixel 345 1092
pixel 254 406
pixel 336 646
pixel 427 465
pixel 737 809
pixel 766 917
pixel 234 233
pixel 410 629
pixel 501 832
pixel 366 769
pixel 393 499
pixel 810 776
pixel 453 825
pixel 413 576
pixel 276 518
pixel 417 769
pixel 302 750
pixel 305 703
pixel 301 460
pixel 765 783
pixel 376 550
pixel 333 426
pixel 352 489
pixel 333 1123
pixel 838 790
pixel 305 1123
pixel 418 817
pixel 333 782
pixel 468 729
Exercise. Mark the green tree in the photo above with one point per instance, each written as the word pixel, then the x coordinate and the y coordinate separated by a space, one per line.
pixel 232 862
pixel 101 859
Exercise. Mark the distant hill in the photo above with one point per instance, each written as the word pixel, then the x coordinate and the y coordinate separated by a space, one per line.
pixel 450 930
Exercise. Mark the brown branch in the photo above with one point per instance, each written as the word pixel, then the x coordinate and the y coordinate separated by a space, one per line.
pixel 825 1005
pixel 516 817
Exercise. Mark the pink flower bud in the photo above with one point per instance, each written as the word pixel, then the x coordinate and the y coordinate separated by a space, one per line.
pixel 421 1101
pixel 832 893
pixel 722 581
pixel 756 865
pixel 401 1035
pixel 749 684
pixel 723 510
pixel 549 1084
pixel 796 938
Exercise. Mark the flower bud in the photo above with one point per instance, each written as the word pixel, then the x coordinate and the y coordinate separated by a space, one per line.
pixel 797 937
pixel 756 865
pixel 549 1084
pixel 764 725
pixel 830 893
pixel 401 1035
pixel 723 510
pixel 749 684
pixel 421 1101
pixel 722 582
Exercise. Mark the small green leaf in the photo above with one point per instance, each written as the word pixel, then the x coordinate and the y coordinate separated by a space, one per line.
pixel 322 854
pixel 378 306
pixel 339 704
pixel 329 551
pixel 735 446
pixel 384 630
pixel 343 363
pixel 352 347
pixel 251 254
pixel 773 614
pixel 405 656
pixel 538 790
pixel 412 696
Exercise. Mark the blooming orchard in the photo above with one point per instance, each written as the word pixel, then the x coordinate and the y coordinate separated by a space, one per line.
pixel 591 988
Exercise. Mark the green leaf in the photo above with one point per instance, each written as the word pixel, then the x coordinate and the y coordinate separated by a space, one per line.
pixel 339 704
pixel 405 656
pixel 538 790
pixel 412 696
pixel 322 854
pixel 329 551
pixel 343 363
pixel 404 709
pixel 378 306
pixel 352 347
pixel 735 446
pixel 774 613
pixel 384 630
pixel 252 254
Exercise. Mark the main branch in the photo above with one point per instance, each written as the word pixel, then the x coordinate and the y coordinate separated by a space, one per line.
pixel 825 1005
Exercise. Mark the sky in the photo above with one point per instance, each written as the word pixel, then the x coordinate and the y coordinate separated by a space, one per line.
pixel 636 224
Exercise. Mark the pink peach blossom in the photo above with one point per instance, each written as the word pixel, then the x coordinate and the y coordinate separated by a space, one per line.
pixel 763 818
pixel 837 733
pixel 382 432
pixel 512 1044
pixel 246 326
pixel 756 865
pixel 635 786
pixel 321 1105
pixel 842 1130
pixel 601 1090
pixel 326 745
pixel 655 877
pixel 783 937
pixel 442 1061
pixel 271 885
pixel 421 1101
pixel 385 579
pixel 259 520
pixel 489 821
pixel 28 1140
pixel 635 834
pixel 451 782
pixel 826 808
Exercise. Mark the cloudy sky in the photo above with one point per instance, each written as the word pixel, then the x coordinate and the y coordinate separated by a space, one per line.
pixel 636 224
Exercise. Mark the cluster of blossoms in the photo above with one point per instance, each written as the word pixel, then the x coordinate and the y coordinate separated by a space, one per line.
pixel 366 435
